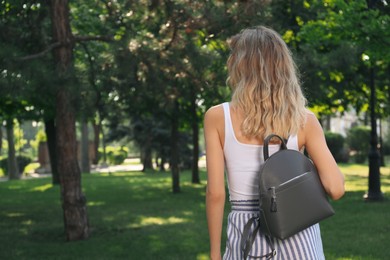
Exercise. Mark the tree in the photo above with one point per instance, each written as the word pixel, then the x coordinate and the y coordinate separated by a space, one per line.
pixel 365 29
pixel 63 42
pixel 23 36
pixel 73 200
pixel 13 170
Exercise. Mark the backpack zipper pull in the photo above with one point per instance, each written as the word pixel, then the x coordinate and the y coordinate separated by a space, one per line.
pixel 274 207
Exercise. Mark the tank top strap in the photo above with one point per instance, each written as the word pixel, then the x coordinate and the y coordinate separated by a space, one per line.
pixel 292 142
pixel 228 121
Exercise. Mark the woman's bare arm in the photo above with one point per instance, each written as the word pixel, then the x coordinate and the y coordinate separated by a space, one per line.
pixel 331 177
pixel 215 193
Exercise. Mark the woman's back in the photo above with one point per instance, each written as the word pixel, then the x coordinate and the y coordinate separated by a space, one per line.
pixel 243 158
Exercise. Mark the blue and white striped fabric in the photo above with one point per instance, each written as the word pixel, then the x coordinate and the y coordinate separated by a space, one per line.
pixel 306 244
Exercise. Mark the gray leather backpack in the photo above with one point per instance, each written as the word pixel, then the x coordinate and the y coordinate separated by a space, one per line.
pixel 291 197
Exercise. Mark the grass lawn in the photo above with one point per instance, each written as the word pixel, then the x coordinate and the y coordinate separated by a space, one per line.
pixel 134 215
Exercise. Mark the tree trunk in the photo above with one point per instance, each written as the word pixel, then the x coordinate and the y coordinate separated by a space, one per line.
pixel 1 138
pixel 374 180
pixel 146 157
pixel 73 200
pixel 103 141
pixel 195 140
pixel 13 171
pixel 328 123
pixel 50 130
pixel 175 149
pixel 96 133
pixel 162 163
pixel 85 166
pixel 381 150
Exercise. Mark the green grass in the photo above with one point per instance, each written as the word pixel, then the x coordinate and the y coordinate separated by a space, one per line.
pixel 359 230
pixel 135 216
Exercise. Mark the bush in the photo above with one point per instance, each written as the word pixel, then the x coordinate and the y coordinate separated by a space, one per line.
pixel 358 139
pixel 22 160
pixel 4 165
pixel 115 155
pixel 336 143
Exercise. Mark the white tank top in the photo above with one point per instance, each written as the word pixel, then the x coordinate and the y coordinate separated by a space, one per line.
pixel 243 162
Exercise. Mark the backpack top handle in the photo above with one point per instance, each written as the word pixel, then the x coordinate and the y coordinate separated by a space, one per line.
pixel 266 143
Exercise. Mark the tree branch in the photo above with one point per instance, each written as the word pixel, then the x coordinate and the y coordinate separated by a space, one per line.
pixel 173 38
pixel 40 54
pixel 104 38
pixel 76 38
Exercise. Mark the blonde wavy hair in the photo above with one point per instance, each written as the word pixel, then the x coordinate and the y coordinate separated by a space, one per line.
pixel 265 84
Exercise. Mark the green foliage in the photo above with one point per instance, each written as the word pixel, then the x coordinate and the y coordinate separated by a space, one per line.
pixel 340 45
pixel 336 143
pixel 4 165
pixel 24 85
pixel 115 155
pixel 20 141
pixel 4 146
pixel 358 139
pixel 39 137
pixel 22 160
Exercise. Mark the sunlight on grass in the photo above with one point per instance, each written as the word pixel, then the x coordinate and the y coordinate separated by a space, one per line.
pixel 43 187
pixel 96 203
pixel 356 177
pixel 385 171
pixel 148 221
pixel 14 214
pixel 28 222
pixel 14 187
pixel 188 213
pixel 121 174
pixel 202 257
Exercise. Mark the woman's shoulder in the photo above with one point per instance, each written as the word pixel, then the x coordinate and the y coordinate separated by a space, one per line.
pixel 310 127
pixel 309 112
pixel 311 118
pixel 215 112
pixel 215 119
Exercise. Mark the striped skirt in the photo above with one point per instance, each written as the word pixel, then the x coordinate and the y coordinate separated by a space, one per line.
pixel 306 244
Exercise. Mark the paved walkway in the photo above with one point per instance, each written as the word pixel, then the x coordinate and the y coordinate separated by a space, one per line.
pixel 94 169
pixel 129 165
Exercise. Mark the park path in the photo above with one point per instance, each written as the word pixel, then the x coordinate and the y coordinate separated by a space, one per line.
pixel 129 165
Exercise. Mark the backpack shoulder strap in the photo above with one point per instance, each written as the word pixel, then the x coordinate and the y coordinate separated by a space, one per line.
pixel 248 239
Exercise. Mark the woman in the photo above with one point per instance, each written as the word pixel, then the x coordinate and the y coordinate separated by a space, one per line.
pixel 266 99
